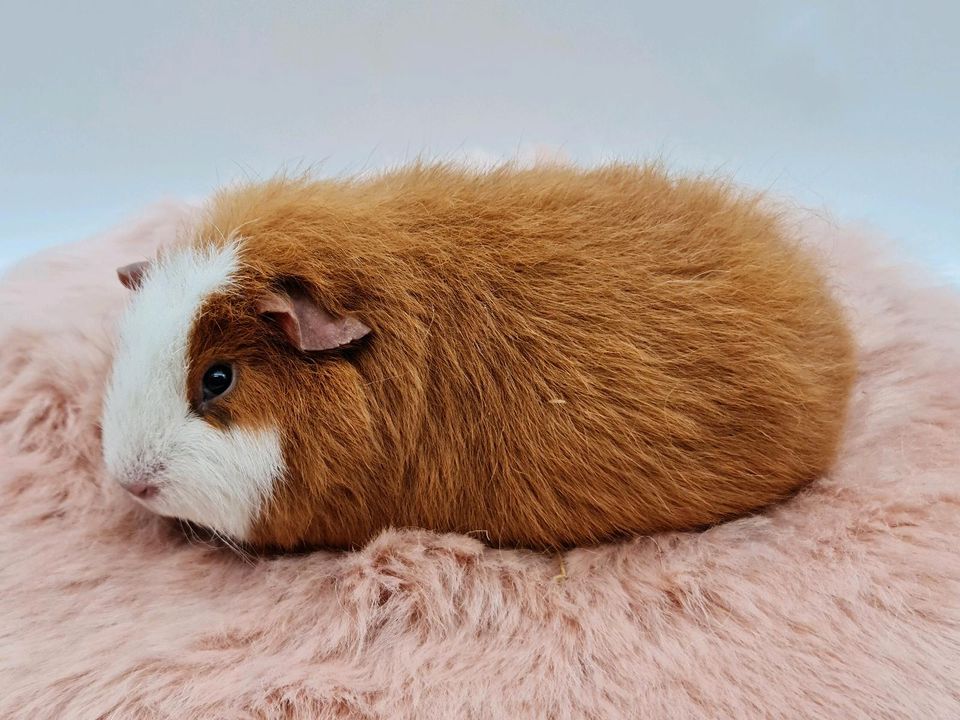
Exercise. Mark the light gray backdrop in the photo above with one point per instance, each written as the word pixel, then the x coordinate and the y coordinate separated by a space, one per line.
pixel 848 106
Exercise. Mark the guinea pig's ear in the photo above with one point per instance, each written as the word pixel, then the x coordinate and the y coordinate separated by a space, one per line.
pixel 308 326
pixel 132 275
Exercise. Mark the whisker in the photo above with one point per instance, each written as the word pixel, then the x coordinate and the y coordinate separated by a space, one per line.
pixel 233 546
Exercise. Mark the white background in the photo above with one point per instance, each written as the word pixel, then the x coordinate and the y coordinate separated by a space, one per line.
pixel 852 107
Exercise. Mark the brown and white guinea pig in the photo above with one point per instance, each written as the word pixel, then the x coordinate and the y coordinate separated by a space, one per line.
pixel 545 358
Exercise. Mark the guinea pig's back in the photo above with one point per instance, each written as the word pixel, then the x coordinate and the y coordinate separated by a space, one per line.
pixel 615 352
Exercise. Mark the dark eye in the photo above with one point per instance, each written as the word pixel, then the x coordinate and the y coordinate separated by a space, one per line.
pixel 216 381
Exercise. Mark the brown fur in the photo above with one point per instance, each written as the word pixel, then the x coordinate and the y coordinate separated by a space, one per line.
pixel 558 357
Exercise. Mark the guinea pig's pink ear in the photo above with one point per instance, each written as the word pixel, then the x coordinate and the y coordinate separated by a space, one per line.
pixel 132 275
pixel 308 326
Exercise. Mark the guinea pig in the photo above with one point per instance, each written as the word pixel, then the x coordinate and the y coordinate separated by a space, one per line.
pixel 545 358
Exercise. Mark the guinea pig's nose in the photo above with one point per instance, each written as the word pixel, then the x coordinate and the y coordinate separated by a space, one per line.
pixel 141 489
pixel 142 483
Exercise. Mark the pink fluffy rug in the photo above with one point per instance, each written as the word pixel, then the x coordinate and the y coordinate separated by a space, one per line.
pixel 842 603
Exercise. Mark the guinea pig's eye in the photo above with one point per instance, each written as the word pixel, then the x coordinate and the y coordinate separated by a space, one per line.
pixel 216 381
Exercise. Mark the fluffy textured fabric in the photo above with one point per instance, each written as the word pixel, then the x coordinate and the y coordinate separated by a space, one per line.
pixel 839 603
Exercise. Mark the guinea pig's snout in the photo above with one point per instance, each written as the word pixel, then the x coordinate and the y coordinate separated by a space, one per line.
pixel 141 489
pixel 141 483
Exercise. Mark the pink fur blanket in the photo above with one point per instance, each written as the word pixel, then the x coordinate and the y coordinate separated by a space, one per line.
pixel 842 603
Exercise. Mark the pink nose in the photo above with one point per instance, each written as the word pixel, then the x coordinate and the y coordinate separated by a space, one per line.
pixel 142 489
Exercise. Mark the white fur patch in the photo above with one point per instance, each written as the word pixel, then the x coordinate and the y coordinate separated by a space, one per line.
pixel 218 478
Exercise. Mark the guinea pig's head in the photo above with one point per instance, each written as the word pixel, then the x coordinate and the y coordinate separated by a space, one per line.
pixel 224 380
